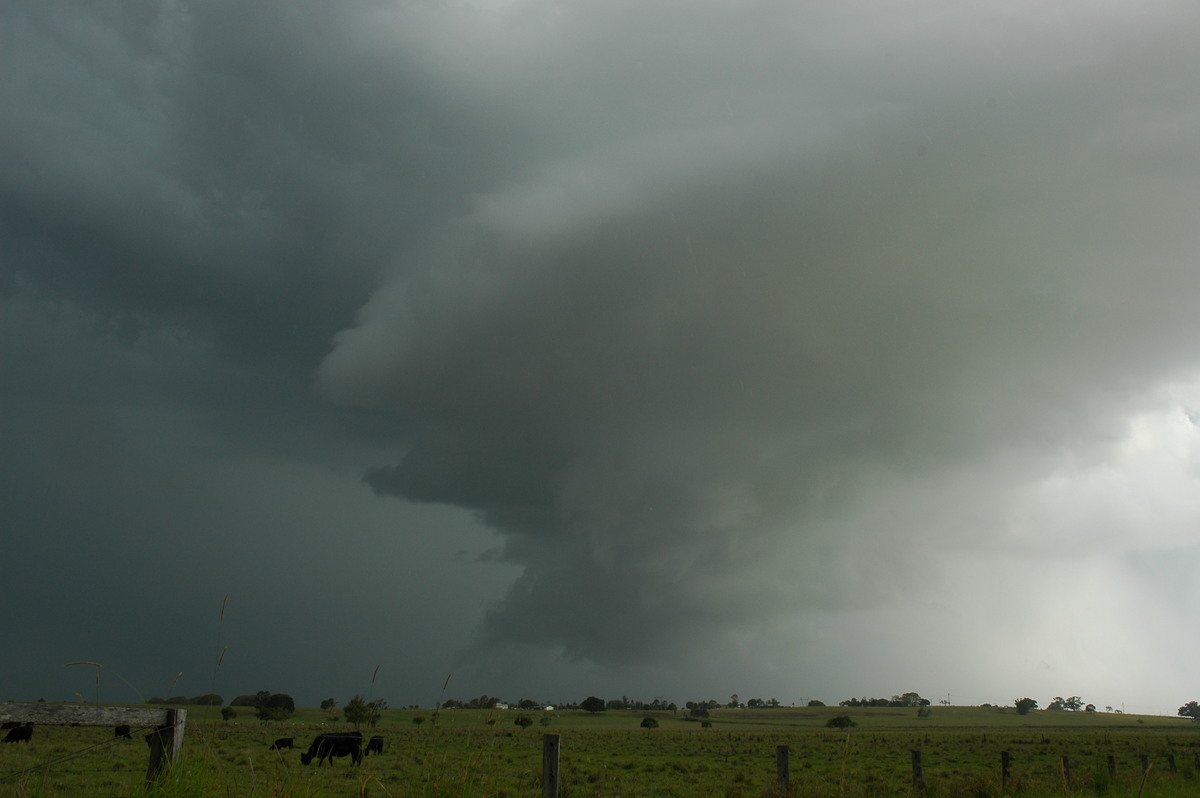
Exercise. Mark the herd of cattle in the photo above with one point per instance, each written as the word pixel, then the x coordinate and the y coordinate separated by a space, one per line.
pixel 324 748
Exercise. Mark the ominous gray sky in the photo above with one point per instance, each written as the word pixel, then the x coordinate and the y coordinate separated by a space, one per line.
pixel 669 349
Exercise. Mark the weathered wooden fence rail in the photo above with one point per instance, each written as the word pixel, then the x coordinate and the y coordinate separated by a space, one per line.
pixel 165 738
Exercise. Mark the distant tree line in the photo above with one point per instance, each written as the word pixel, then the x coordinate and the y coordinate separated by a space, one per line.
pixel 733 703
pixel 903 700
pixel 1072 704
pixel 207 700
pixel 483 702
pixel 1057 704
pixel 589 704
pixel 657 704
pixel 270 706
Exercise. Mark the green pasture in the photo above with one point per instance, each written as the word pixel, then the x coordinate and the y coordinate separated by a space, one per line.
pixel 484 753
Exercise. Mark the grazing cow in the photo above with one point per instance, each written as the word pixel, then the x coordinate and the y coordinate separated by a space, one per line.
pixel 20 734
pixel 283 742
pixel 374 746
pixel 122 732
pixel 327 746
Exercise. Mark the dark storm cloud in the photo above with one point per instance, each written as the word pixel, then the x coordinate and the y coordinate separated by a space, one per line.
pixel 193 199
pixel 723 318
pixel 154 153
pixel 667 362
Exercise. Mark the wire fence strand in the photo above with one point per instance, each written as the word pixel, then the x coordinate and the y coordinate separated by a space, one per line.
pixel 73 755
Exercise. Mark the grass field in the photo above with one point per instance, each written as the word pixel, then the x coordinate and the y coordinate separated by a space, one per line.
pixel 483 753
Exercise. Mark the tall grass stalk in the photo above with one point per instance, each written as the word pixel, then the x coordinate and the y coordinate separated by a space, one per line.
pixel 221 649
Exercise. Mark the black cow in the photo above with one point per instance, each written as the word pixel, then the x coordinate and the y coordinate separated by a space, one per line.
pixel 283 742
pixel 122 732
pixel 10 724
pixel 20 734
pixel 374 746
pixel 327 746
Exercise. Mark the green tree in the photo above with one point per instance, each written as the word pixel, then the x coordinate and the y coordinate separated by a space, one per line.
pixel 592 704
pixel 909 700
pixel 523 720
pixel 841 722
pixel 359 711
pixel 1023 705
pixel 282 701
pixel 273 706
pixel 418 720
pixel 328 704
pixel 1190 710
pixel 649 723
pixel 228 714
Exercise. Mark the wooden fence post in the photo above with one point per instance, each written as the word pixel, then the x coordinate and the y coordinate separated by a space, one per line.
pixel 550 766
pixel 164 743
pixel 918 774
pixel 1171 763
pixel 782 772
pixel 1112 766
pixel 1005 768
pixel 1066 770
pixel 1145 764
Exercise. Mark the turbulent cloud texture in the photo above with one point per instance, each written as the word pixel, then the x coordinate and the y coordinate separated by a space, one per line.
pixel 674 365
pixel 783 330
